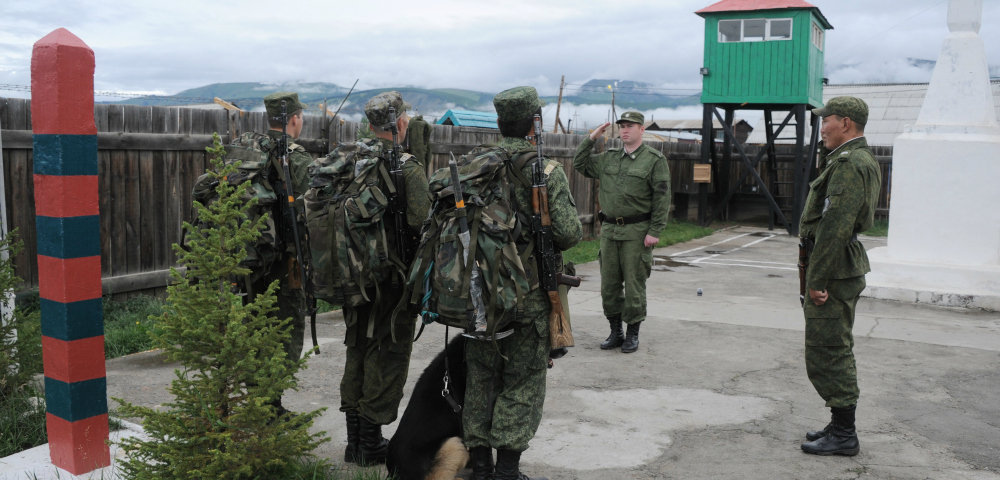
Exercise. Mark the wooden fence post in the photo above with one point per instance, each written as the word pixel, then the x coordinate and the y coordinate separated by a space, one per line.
pixel 67 220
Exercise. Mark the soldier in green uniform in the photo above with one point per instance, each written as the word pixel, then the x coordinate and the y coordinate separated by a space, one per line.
pixel 376 364
pixel 418 139
pixel 291 295
pixel 841 203
pixel 635 201
pixel 506 380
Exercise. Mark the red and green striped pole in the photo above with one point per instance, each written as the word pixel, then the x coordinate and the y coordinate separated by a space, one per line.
pixel 69 251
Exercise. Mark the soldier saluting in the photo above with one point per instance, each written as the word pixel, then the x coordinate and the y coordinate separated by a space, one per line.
pixel 635 200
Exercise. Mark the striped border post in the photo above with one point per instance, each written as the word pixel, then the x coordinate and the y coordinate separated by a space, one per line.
pixel 69 251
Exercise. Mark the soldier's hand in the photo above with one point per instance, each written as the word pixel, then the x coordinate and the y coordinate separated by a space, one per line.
pixel 818 297
pixel 599 130
pixel 650 240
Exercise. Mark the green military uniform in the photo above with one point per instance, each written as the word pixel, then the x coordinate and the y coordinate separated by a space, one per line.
pixel 841 203
pixel 505 387
pixel 379 343
pixel 418 139
pixel 290 293
pixel 635 201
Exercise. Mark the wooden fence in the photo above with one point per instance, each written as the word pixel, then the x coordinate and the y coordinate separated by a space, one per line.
pixel 149 158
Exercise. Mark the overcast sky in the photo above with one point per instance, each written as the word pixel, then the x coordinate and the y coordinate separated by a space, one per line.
pixel 167 46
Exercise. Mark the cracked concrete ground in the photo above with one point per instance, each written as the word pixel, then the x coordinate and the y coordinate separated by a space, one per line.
pixel 718 388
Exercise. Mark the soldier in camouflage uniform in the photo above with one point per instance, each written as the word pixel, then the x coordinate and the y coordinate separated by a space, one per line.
pixel 291 294
pixel 506 381
pixel 635 201
pixel 418 139
pixel 376 364
pixel 841 203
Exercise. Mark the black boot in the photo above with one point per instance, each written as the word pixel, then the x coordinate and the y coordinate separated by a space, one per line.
pixel 481 459
pixel 351 454
pixel 631 338
pixel 841 437
pixel 818 434
pixel 617 337
pixel 508 466
pixel 373 446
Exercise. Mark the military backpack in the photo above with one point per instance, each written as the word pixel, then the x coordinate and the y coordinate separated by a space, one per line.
pixel 252 155
pixel 443 286
pixel 346 213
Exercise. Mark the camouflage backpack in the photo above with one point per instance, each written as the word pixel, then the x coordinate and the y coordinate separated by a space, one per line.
pixel 441 285
pixel 346 206
pixel 251 152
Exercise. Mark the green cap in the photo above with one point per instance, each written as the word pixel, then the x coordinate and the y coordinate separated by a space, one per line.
pixel 851 107
pixel 633 117
pixel 517 103
pixel 377 107
pixel 272 103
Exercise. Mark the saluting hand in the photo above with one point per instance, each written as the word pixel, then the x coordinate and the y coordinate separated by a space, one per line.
pixel 599 130
pixel 818 297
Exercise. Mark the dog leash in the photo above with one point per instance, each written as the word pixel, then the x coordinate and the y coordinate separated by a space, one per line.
pixel 445 392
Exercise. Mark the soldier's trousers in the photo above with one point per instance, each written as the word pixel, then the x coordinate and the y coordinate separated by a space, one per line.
pixel 830 343
pixel 625 266
pixel 375 367
pixel 504 398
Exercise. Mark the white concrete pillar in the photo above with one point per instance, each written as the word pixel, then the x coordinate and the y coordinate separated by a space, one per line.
pixel 944 216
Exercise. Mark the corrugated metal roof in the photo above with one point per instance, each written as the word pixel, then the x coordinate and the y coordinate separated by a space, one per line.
pixel 891 107
pixel 469 118
pixel 753 5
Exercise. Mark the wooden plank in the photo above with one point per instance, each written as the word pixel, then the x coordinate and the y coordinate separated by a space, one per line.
pixel 150 239
pixel 22 213
pixel 132 198
pixel 118 228
pixel 105 197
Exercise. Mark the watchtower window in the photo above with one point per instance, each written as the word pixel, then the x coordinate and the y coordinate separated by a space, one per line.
pixel 755 29
pixel 817 36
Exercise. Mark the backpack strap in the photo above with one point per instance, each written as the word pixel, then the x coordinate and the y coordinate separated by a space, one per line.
pixel 517 165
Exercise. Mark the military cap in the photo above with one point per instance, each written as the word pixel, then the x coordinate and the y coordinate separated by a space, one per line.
pixel 273 101
pixel 377 107
pixel 851 107
pixel 633 117
pixel 517 103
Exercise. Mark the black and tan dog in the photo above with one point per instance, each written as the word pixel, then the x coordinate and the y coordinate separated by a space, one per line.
pixel 428 442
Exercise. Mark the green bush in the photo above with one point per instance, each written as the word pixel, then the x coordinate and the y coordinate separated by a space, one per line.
pixel 129 325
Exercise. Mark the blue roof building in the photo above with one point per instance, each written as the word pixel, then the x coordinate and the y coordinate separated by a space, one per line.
pixel 468 118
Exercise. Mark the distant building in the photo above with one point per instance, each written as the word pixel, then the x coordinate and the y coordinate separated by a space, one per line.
pixel 891 107
pixel 469 118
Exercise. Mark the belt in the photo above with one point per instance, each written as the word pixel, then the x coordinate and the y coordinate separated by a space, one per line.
pixel 624 220
pixel 811 241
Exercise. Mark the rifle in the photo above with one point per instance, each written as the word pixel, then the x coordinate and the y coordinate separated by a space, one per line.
pixel 549 260
pixel 309 302
pixel 478 314
pixel 805 248
pixel 397 202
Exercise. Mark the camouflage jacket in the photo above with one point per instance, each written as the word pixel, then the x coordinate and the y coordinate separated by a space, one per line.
pixel 566 228
pixel 418 196
pixel 631 184
pixel 298 162
pixel 841 204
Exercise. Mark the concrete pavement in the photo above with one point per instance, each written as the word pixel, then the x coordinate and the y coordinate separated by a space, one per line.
pixel 718 388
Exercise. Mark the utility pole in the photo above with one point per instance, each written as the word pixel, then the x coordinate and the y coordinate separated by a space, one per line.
pixel 556 124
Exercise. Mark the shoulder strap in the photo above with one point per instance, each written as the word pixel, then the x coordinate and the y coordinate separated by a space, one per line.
pixel 517 165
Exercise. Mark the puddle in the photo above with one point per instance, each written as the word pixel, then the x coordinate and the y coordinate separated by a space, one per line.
pixel 666 261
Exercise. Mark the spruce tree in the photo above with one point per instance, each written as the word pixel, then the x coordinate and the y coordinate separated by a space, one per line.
pixel 222 423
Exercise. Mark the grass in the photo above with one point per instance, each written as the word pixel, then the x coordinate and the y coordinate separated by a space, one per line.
pixel 879 229
pixel 676 232
pixel 127 325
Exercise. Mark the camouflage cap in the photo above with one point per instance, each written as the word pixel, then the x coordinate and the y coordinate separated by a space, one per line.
pixel 517 103
pixel 377 107
pixel 272 103
pixel 851 107
pixel 632 117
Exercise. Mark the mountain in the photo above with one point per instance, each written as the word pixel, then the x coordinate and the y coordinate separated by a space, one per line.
pixel 250 96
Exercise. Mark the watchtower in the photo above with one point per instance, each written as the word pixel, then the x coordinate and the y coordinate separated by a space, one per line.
pixel 762 55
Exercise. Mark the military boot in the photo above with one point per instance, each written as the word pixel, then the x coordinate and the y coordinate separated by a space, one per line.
pixel 508 466
pixel 481 459
pixel 631 338
pixel 351 454
pixel 373 446
pixel 616 338
pixel 841 437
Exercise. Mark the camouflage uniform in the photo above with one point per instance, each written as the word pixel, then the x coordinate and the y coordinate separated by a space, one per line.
pixel 418 139
pixel 841 203
pixel 506 381
pixel 376 365
pixel 289 298
pixel 633 185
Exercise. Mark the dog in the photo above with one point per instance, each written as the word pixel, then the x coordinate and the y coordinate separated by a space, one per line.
pixel 428 444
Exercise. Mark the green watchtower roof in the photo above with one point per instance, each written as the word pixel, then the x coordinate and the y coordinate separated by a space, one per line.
pixel 763 52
